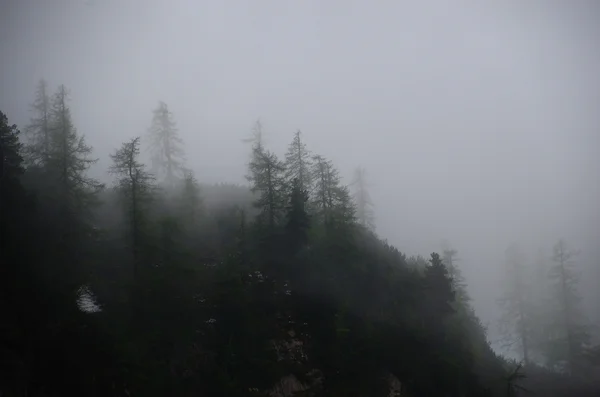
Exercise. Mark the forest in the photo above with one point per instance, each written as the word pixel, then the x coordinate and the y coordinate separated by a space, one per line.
pixel 157 284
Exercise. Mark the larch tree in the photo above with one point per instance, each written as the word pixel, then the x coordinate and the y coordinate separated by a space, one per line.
pixel 516 321
pixel 459 284
pixel 257 139
pixel 344 208
pixel 266 173
pixel 166 147
pixel 362 199
pixel 331 200
pixel 326 179
pixel 298 164
pixel 136 187
pixel 68 161
pixel 38 131
pixel 571 335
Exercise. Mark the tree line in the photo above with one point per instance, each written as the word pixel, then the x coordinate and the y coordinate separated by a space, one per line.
pixel 280 288
pixel 543 319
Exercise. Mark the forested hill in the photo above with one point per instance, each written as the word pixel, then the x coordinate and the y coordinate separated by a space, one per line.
pixel 220 290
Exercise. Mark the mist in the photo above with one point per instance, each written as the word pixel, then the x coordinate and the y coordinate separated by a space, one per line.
pixel 478 125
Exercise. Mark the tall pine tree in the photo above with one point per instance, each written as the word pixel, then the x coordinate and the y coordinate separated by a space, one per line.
pixel 166 146
pixel 69 158
pixel 267 178
pixel 362 199
pixel 70 195
pixel 298 164
pixel 571 334
pixel 38 131
pixel 136 187
pixel 332 201
pixel 459 283
pixel 516 321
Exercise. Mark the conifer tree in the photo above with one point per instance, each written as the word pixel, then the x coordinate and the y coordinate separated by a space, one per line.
pixel 38 130
pixel 68 161
pixel 166 146
pixel 326 179
pixel 331 200
pixel 69 154
pixel 267 178
pixel 136 186
pixel 298 164
pixel 344 209
pixel 11 161
pixel 516 321
pixel 362 199
pixel 572 336
pixel 459 284
pixel 257 139
pixel 11 169
pixel 320 176
pixel 439 293
pixel 543 317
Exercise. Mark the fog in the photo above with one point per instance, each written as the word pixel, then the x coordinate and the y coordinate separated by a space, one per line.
pixel 478 124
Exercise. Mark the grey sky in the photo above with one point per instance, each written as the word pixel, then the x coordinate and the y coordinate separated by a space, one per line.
pixel 478 122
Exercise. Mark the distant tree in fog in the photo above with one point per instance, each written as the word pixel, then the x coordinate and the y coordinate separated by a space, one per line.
pixel 570 333
pixel 516 321
pixel 298 163
pixel 459 284
pixel 331 201
pixel 362 199
pixel 257 138
pixel 166 147
pixel 38 130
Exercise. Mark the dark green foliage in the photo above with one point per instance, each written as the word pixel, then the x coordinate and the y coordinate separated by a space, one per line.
pixel 47 345
pixel 297 218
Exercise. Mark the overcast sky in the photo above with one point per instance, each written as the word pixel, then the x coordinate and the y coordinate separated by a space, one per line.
pixel 478 122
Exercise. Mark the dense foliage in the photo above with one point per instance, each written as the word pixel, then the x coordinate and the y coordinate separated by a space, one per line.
pixel 166 287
